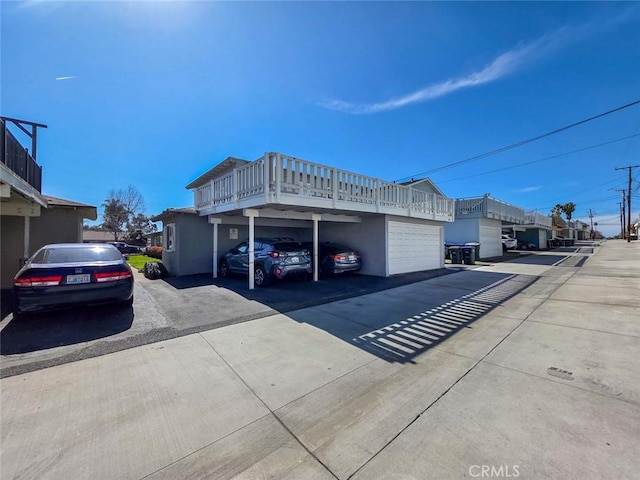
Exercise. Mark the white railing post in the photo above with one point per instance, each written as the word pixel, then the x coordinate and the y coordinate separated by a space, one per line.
pixel 334 185
pixel 376 190
pixel 278 172
pixel 409 200
pixel 266 172
pixel 234 186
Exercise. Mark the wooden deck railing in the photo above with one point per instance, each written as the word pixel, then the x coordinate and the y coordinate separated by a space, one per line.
pixel 18 160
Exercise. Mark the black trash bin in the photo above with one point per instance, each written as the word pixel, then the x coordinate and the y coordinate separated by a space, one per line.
pixel 476 245
pixel 469 254
pixel 455 252
pixel 447 255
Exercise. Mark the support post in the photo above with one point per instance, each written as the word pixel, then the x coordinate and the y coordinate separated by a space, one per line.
pixel 27 239
pixel 252 214
pixel 215 222
pixel 316 218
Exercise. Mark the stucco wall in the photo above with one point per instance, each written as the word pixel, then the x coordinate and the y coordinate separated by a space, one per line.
pixel 193 239
pixel 11 248
pixel 55 225
pixel 463 230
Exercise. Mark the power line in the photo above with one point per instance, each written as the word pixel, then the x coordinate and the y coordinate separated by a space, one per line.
pixel 520 143
pixel 541 159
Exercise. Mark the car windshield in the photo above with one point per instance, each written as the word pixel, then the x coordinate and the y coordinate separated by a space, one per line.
pixel 76 254
pixel 338 248
pixel 288 247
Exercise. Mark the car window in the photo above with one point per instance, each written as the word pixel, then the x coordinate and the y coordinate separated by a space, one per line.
pixel 287 246
pixel 243 247
pixel 79 254
pixel 337 248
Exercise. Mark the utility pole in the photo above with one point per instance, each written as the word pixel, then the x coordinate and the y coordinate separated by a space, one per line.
pixel 620 204
pixel 592 235
pixel 630 167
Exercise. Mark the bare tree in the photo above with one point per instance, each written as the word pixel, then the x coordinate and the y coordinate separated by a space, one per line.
pixel 130 197
pixel 121 209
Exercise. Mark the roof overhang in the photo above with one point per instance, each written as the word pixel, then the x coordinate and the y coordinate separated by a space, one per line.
pixel 86 211
pixel 220 169
pixel 18 186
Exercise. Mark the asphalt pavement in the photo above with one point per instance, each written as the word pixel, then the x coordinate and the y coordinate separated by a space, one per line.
pixel 526 368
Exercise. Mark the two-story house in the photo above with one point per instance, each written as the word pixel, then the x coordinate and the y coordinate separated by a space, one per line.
pixel 29 219
pixel 397 228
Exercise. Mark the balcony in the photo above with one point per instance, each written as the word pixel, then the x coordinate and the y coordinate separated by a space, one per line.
pixel 489 207
pixel 277 179
pixel 538 220
pixel 17 159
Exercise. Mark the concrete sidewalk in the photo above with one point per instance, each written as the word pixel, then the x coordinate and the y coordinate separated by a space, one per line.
pixel 529 369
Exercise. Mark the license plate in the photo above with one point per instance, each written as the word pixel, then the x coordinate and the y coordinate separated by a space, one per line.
pixel 352 258
pixel 295 260
pixel 75 279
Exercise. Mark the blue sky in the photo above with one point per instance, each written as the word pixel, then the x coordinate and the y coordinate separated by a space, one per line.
pixel 153 94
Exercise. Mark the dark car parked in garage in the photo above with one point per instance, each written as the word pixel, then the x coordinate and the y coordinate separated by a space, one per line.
pixel 334 258
pixel 69 274
pixel 273 258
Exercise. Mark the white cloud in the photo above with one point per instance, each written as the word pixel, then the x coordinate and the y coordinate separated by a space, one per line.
pixel 65 78
pixel 503 65
pixel 529 189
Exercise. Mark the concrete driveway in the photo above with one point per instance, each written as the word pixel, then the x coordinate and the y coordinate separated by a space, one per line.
pixel 521 374
pixel 165 309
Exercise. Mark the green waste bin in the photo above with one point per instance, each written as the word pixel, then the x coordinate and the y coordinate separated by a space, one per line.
pixel 469 255
pixel 455 252
pixel 476 245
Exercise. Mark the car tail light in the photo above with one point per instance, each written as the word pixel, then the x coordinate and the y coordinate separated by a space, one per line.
pixel 339 257
pixel 274 254
pixel 357 255
pixel 112 276
pixel 38 281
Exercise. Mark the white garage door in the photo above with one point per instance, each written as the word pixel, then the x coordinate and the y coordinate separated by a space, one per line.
pixel 490 241
pixel 412 247
pixel 542 239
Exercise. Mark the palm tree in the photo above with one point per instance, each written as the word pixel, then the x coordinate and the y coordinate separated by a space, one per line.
pixel 568 209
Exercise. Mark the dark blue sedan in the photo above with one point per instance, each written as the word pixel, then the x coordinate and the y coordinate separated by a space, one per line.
pixel 71 274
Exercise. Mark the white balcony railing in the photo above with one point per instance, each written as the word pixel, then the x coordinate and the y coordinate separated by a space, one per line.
pixel 489 207
pixel 278 178
pixel 537 219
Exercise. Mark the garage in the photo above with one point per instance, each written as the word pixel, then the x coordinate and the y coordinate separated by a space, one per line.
pixel 413 247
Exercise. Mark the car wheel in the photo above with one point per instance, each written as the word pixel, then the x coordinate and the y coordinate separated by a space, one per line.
pixel 224 270
pixel 261 278
pixel 524 247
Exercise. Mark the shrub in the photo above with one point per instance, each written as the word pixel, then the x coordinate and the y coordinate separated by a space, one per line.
pixel 154 270
pixel 154 252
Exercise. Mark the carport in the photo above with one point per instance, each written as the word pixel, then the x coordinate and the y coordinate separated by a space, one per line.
pixel 296 217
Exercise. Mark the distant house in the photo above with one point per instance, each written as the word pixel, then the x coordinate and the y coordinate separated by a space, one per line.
pixel 397 228
pixel 481 220
pixel 536 229
pixel 30 219
pixel 155 239
pixel 96 236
